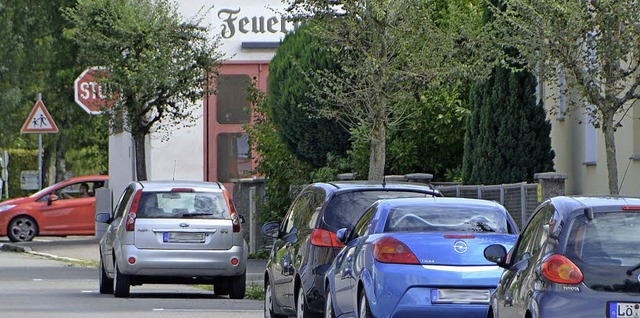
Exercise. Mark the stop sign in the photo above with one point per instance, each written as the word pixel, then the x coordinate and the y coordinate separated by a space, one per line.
pixel 89 94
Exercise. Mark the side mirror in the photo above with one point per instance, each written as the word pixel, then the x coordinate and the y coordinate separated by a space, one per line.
pixel 271 229
pixel 496 253
pixel 103 218
pixel 52 197
pixel 342 235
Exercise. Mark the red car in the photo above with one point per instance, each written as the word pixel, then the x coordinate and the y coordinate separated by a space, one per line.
pixel 59 210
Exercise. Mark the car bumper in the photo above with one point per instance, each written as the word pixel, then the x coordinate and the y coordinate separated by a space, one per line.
pixel 579 304
pixel 181 263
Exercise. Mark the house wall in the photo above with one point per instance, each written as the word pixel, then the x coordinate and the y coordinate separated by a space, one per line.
pixel 570 141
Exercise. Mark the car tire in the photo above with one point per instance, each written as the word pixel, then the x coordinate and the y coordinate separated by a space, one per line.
pixel 121 283
pixel 364 311
pixel 221 286
pixel 238 286
pixel 302 309
pixel 328 305
pixel 268 303
pixel 22 229
pixel 106 283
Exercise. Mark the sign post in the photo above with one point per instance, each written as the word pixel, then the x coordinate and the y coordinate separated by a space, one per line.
pixel 39 121
pixel 89 93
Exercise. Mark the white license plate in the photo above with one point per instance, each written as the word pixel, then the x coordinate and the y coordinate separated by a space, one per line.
pixel 618 309
pixel 461 296
pixel 181 237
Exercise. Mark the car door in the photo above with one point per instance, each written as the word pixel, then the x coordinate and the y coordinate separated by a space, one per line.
pixel 517 282
pixel 346 281
pixel 70 213
pixel 110 236
pixel 285 249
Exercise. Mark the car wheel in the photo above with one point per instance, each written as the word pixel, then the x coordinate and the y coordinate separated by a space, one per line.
pixel 302 309
pixel 22 229
pixel 238 286
pixel 106 283
pixel 121 283
pixel 268 303
pixel 328 305
pixel 364 311
pixel 221 286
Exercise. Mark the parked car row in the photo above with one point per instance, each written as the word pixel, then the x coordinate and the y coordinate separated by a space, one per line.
pixel 364 250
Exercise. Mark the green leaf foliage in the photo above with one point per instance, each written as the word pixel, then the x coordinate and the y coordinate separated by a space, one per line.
pixel 157 62
pixel 294 111
pixel 508 137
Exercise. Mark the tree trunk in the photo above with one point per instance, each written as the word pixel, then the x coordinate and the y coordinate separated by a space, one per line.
pixel 378 145
pixel 610 147
pixel 140 157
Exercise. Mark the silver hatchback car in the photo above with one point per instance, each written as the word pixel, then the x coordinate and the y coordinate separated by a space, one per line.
pixel 173 232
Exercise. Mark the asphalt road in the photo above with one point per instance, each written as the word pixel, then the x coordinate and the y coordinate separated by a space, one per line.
pixel 85 248
pixel 34 287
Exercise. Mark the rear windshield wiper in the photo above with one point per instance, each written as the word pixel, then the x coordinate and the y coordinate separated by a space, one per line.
pixel 633 269
pixel 186 215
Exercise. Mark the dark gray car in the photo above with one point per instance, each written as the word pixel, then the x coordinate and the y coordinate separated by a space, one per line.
pixel 173 232
pixel 577 257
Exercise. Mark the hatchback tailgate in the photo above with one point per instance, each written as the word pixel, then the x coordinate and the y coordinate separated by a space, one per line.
pixel 184 234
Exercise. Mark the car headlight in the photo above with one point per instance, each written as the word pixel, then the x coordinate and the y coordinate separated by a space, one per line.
pixel 6 207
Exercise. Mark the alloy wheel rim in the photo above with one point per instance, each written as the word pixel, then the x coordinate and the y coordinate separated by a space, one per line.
pixel 300 305
pixel 267 302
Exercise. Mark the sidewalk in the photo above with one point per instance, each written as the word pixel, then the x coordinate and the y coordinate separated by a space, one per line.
pixel 85 248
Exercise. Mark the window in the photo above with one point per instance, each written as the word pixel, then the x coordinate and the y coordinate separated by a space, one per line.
pixel 123 202
pixel 231 99
pixel 636 132
pixel 233 156
pixel 590 145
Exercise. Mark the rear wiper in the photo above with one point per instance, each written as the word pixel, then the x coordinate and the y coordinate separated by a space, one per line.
pixel 186 215
pixel 633 269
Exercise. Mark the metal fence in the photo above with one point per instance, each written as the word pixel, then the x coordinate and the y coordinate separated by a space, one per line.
pixel 520 199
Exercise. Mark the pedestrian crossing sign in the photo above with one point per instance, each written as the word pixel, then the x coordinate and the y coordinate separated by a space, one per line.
pixel 39 121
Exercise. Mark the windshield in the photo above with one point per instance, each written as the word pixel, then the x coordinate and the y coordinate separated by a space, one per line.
pixel 346 208
pixel 182 204
pixel 604 249
pixel 440 218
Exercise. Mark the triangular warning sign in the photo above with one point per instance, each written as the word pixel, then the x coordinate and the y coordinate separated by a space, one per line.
pixel 39 121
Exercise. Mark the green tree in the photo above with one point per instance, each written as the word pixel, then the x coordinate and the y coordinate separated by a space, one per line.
pixel 36 58
pixel 389 48
pixel 507 136
pixel 293 111
pixel 596 44
pixel 157 63
pixel 281 168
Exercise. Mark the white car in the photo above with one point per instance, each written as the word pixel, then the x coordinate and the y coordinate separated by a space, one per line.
pixel 168 232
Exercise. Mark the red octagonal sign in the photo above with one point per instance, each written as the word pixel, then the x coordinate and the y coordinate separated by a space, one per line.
pixel 89 94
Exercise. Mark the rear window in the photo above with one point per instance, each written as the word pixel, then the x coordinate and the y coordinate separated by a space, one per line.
pixel 604 248
pixel 436 218
pixel 346 208
pixel 183 204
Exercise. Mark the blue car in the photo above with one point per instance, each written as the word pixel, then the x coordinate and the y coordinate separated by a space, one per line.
pixel 576 257
pixel 418 257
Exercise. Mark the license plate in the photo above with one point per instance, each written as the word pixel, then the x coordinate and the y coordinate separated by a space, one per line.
pixel 181 237
pixel 462 296
pixel 619 309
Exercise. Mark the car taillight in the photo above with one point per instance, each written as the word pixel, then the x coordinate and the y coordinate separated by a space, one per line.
pixel 630 208
pixel 390 250
pixel 133 212
pixel 559 269
pixel 235 220
pixel 325 238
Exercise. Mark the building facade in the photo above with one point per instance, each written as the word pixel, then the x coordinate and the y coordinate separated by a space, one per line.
pixel 580 147
pixel 215 148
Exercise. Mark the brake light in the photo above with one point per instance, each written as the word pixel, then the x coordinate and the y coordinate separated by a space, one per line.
pixel 325 238
pixel 181 190
pixel 630 207
pixel 235 220
pixel 559 269
pixel 390 250
pixel 133 212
